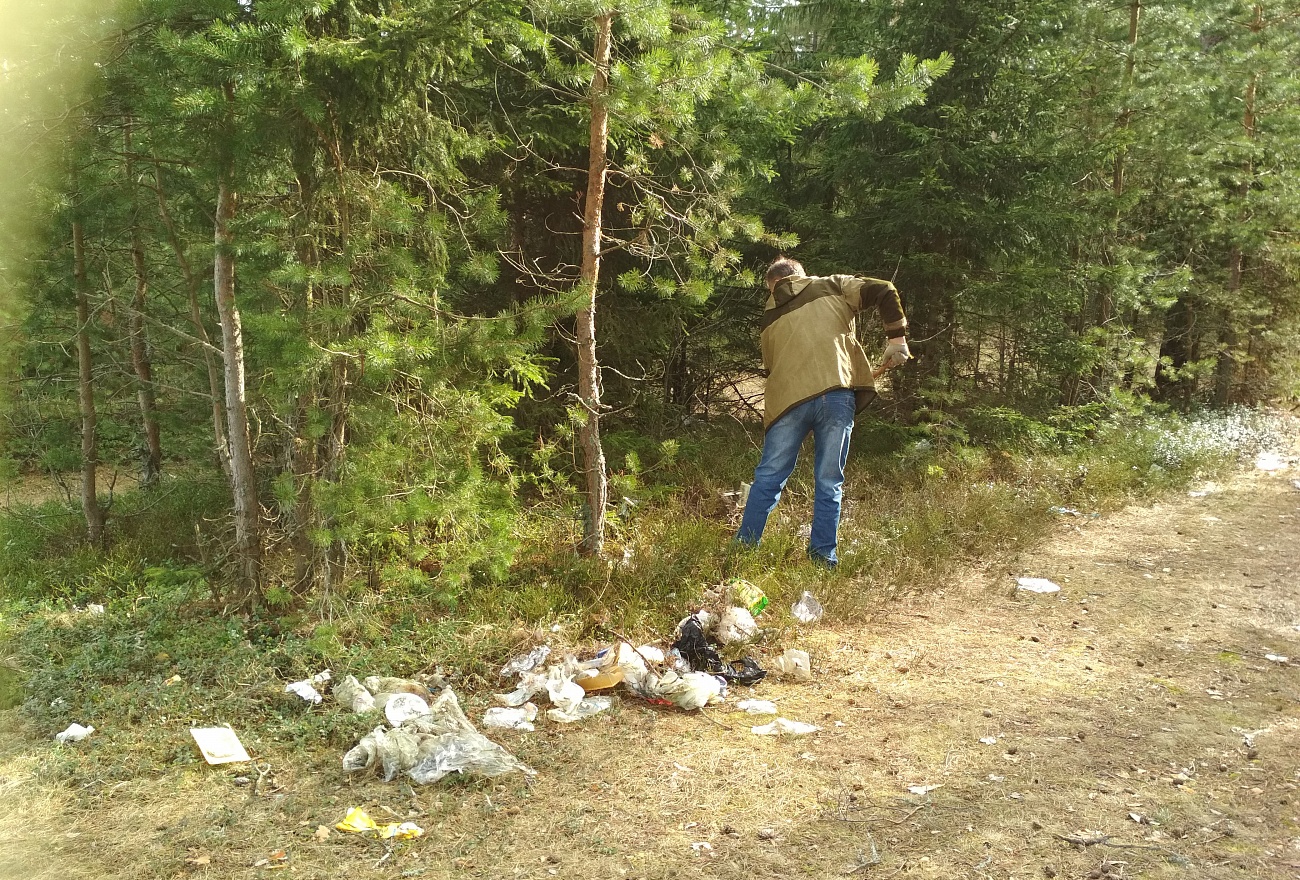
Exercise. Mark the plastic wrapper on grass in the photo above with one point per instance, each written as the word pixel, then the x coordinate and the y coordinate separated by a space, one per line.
pixel 428 747
pixel 795 664
pixel 807 609
pixel 353 695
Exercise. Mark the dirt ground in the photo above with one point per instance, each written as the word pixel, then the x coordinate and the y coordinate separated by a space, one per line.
pixel 1130 726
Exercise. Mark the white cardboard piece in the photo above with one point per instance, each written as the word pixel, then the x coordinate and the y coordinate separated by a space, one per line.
pixel 219 745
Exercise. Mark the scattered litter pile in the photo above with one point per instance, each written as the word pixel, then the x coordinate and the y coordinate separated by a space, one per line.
pixel 427 738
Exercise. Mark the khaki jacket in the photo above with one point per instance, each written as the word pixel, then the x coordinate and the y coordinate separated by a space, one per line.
pixel 810 343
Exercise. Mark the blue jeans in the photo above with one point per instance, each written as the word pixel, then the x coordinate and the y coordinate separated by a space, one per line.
pixel 830 420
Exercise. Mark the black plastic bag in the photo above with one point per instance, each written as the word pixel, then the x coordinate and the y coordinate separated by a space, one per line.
pixel 695 648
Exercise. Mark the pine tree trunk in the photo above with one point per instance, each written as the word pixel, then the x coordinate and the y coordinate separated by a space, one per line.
pixel 248 547
pixel 86 394
pixel 216 390
pixel 589 389
pixel 151 461
pixel 1225 369
pixel 1102 378
pixel 151 464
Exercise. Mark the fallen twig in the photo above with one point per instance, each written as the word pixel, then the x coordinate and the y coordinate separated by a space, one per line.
pixel 1105 840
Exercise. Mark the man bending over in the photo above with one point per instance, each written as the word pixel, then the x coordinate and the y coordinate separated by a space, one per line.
pixel 818 379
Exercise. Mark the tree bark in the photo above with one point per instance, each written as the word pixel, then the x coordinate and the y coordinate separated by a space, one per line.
pixel 1126 115
pixel 243 483
pixel 1225 369
pixel 151 460
pixel 86 394
pixel 216 389
pixel 589 386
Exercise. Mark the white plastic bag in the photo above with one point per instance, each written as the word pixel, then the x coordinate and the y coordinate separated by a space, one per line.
pixel 735 625
pixel 74 733
pixel 585 709
pixel 795 664
pixel 564 692
pixel 785 727
pixel 401 708
pixel 511 719
pixel 757 707
pixel 306 689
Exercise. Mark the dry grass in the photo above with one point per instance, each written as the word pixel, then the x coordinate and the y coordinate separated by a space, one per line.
pixel 1149 664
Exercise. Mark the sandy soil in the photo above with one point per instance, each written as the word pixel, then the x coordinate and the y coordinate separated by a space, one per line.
pixel 1129 726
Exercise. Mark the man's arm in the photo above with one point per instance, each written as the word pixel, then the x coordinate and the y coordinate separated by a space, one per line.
pixel 883 296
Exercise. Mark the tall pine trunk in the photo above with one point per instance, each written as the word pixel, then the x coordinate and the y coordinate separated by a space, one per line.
pixel 243 483
pixel 151 460
pixel 216 389
pixel 589 386
pixel 86 394
pixel 1225 368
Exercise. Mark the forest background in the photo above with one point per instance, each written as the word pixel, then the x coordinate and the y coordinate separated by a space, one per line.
pixel 375 321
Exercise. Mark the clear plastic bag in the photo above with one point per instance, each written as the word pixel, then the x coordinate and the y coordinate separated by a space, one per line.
pixel 429 747
pixel 511 719
pixel 526 662
pixel 353 695
pixel 785 727
pixel 530 685
pixel 795 664
pixel 694 690
pixel 807 609
pixel 585 709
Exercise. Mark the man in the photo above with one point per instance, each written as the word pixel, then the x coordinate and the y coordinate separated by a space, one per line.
pixel 818 378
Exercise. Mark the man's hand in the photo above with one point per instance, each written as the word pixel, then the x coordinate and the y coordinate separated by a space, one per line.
pixel 896 354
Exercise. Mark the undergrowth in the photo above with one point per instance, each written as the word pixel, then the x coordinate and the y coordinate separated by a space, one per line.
pixel 915 509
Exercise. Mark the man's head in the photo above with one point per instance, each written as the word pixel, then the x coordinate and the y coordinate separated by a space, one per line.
pixel 782 268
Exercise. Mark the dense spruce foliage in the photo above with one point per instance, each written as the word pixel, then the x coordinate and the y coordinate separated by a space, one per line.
pixel 395 271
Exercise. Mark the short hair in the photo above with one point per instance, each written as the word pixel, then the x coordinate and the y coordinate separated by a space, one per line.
pixel 782 268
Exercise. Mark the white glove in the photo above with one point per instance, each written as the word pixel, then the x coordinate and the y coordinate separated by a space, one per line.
pixel 896 354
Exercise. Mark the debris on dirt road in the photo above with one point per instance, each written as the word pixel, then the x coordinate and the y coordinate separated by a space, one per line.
pixel 785 727
pixel 795 664
pixel 1037 585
